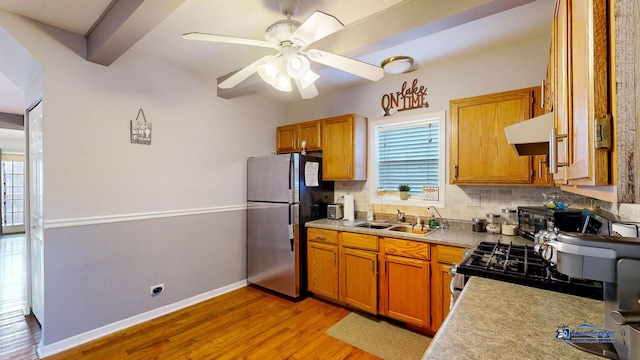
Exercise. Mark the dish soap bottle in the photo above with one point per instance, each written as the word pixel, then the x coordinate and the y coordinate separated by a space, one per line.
pixel 370 215
pixel 432 222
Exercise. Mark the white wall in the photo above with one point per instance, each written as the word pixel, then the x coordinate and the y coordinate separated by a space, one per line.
pixel 100 258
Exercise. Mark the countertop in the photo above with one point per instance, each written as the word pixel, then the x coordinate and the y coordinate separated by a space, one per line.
pixel 499 320
pixel 447 236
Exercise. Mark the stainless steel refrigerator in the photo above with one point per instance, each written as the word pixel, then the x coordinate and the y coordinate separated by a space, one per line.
pixel 283 192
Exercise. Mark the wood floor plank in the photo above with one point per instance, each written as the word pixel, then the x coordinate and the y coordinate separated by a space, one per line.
pixel 246 323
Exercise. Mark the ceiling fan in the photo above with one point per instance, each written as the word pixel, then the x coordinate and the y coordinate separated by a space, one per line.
pixel 291 38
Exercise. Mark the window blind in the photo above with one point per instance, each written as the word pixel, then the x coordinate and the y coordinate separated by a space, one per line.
pixel 408 153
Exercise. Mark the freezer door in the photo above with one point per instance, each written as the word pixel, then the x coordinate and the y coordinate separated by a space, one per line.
pixel 272 249
pixel 269 178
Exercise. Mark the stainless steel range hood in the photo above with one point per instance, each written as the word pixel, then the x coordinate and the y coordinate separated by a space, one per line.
pixel 531 137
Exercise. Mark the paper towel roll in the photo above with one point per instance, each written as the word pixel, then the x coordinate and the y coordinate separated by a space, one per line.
pixel 349 208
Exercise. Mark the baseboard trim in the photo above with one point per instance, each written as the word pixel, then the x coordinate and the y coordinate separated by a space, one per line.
pixel 95 220
pixel 77 340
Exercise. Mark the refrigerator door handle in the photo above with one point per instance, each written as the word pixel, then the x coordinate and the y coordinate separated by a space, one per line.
pixel 291 237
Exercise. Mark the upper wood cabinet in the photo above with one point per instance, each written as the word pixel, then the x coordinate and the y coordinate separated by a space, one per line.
pixel 289 138
pixel 480 153
pixel 581 63
pixel 344 150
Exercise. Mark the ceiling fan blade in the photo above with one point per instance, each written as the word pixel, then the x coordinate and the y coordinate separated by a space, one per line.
pixel 307 93
pixel 316 27
pixel 356 67
pixel 227 39
pixel 243 73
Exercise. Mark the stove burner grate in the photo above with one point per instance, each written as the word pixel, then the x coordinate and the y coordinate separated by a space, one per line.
pixel 520 264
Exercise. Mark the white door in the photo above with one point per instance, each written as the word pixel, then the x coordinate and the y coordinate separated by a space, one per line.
pixel 36 228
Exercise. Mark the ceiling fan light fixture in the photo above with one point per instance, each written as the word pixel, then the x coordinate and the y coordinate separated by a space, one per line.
pixel 269 71
pixel 397 64
pixel 298 66
pixel 283 82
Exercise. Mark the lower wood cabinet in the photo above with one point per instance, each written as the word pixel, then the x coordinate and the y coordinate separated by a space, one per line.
pixel 322 263
pixel 407 290
pixel 402 279
pixel 442 259
pixel 406 281
pixel 361 279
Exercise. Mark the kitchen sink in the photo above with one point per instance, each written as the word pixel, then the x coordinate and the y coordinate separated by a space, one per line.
pixel 410 229
pixel 374 225
pixel 401 228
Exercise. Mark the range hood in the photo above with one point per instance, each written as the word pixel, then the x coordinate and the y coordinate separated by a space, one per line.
pixel 531 137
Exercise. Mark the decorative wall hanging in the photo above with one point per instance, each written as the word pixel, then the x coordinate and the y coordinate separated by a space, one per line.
pixel 407 98
pixel 141 130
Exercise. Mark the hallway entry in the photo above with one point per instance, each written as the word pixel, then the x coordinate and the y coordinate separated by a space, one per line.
pixel 13 273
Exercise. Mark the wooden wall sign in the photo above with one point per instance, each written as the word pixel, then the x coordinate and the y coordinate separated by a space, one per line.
pixel 407 98
pixel 141 130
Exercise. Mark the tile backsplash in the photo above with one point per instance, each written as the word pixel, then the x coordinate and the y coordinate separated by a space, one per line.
pixel 492 200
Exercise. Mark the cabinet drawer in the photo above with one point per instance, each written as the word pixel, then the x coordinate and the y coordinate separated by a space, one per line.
pixel 449 254
pixel 359 241
pixel 406 248
pixel 322 235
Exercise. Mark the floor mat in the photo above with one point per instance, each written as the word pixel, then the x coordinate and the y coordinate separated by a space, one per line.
pixel 379 337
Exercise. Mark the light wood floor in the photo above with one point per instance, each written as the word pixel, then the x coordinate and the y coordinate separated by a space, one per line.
pixel 18 334
pixel 13 273
pixel 244 324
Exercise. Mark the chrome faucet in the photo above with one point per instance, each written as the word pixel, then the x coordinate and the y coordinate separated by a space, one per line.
pixel 400 216
pixel 442 222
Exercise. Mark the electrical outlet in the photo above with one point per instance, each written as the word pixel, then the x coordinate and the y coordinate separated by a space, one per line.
pixel 156 289
pixel 474 200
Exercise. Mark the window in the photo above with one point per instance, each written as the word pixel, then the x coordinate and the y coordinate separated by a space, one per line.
pixel 12 193
pixel 408 150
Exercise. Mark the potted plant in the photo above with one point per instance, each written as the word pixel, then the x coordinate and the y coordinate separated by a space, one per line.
pixel 404 191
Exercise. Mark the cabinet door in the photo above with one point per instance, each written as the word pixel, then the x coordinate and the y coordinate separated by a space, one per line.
pixel 589 53
pixel 407 289
pixel 344 148
pixel 440 292
pixel 561 82
pixel 541 176
pixel 311 133
pixel 441 295
pixel 480 153
pixel 323 269
pixel 360 277
pixel 337 153
pixel 286 139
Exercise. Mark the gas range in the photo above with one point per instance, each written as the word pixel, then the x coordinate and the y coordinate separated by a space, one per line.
pixel 520 264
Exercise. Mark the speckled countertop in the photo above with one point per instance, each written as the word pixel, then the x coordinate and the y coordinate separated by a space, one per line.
pixel 448 236
pixel 499 320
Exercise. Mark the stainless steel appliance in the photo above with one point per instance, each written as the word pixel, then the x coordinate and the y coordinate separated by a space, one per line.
pixel 283 192
pixel 532 219
pixel 519 264
pixel 335 211
pixel 616 262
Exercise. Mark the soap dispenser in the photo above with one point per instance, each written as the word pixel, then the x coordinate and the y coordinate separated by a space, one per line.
pixel 432 222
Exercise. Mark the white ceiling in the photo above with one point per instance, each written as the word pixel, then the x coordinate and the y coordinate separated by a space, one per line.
pixel 249 18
